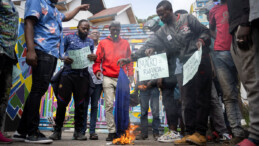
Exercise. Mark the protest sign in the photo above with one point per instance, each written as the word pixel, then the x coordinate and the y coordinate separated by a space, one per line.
pixel 80 58
pixel 153 67
pixel 191 67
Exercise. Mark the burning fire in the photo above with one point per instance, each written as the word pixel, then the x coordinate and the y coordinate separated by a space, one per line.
pixel 127 138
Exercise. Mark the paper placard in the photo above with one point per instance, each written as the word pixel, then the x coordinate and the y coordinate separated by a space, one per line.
pixel 191 67
pixel 80 58
pixel 153 67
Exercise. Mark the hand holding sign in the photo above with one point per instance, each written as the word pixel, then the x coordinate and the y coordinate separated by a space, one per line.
pixel 79 58
pixel 153 67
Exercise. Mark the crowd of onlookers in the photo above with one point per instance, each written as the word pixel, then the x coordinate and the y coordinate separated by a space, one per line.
pixel 230 56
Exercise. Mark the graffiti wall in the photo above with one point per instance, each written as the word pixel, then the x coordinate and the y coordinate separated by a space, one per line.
pixel 22 79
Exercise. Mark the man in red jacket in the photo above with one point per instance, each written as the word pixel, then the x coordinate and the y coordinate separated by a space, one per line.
pixel 109 51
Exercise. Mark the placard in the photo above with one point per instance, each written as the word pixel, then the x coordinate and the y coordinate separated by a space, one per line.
pixel 153 67
pixel 191 67
pixel 80 58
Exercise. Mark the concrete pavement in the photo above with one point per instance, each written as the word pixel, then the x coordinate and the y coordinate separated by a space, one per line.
pixel 67 141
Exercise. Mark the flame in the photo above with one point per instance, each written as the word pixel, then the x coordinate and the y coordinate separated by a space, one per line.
pixel 128 137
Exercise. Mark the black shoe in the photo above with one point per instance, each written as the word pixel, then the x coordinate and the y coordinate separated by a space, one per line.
pixel 79 136
pixel 141 137
pixel 155 136
pixel 56 135
pixel 111 136
pixel 93 136
pixel 38 138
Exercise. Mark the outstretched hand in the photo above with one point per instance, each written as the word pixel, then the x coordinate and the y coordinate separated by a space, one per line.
pixel 149 52
pixel 84 7
pixel 123 61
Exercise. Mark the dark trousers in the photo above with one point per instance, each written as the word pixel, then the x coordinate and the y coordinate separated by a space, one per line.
pixel 172 106
pixel 41 75
pixel 195 97
pixel 247 64
pixel 78 85
pixel 6 69
pixel 94 108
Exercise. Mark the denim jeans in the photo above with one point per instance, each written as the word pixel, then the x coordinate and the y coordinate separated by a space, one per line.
pixel 6 68
pixel 41 75
pixel 152 95
pixel 227 76
pixel 94 108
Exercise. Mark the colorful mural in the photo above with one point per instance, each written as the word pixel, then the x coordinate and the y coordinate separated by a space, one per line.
pixel 134 33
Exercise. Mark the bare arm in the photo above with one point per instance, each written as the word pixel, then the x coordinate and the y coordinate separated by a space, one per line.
pixel 31 57
pixel 71 14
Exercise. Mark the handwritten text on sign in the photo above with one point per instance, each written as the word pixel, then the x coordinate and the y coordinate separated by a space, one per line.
pixel 191 67
pixel 153 67
pixel 80 58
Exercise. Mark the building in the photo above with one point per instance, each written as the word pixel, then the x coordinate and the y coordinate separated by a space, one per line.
pixel 97 14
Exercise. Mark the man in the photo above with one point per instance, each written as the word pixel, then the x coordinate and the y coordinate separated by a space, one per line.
pixel 96 93
pixel 109 51
pixel 182 35
pixel 8 37
pixel 244 29
pixel 44 39
pixel 73 80
pixel 225 67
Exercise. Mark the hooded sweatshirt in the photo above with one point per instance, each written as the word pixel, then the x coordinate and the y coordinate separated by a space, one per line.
pixel 108 53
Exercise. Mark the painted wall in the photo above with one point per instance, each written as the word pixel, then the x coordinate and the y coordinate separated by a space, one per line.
pixel 22 84
pixel 123 18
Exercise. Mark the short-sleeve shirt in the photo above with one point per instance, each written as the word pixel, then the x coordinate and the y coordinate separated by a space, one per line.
pixel 74 42
pixel 48 35
pixel 9 19
pixel 219 17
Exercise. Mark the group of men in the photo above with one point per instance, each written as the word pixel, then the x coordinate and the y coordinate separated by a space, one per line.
pixel 233 24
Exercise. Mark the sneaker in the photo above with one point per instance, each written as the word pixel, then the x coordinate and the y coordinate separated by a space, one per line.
pixel 111 136
pixel 38 138
pixel 170 136
pixel 93 136
pixel 56 135
pixel 18 137
pixel 141 137
pixel 79 136
pixel 225 137
pixel 197 139
pixel 246 142
pixel 4 140
pixel 182 141
pixel 155 136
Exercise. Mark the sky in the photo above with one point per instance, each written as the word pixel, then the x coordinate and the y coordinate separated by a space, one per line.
pixel 145 8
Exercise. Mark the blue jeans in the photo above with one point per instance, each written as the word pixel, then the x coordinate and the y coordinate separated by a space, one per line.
pixel 94 108
pixel 227 76
pixel 152 95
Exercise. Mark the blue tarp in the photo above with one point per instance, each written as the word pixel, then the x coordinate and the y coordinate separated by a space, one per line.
pixel 122 103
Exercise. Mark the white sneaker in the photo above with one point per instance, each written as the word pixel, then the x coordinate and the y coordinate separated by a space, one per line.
pixel 169 136
pixel 225 137
pixel 18 137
